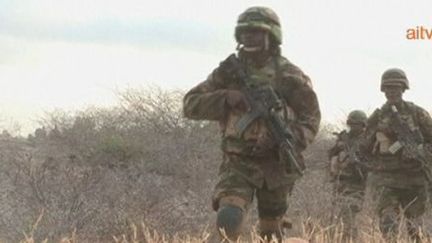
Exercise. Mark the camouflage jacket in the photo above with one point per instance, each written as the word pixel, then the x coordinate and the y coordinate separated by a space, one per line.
pixel 207 101
pixel 393 169
pixel 346 161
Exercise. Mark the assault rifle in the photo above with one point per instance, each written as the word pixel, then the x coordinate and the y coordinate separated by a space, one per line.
pixel 352 149
pixel 411 142
pixel 265 104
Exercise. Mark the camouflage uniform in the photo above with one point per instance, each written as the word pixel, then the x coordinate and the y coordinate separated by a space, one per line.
pixel 251 164
pixel 348 176
pixel 398 180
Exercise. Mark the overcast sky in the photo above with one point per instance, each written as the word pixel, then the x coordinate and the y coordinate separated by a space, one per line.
pixel 71 54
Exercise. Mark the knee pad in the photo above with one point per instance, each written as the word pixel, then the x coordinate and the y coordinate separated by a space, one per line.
pixel 230 219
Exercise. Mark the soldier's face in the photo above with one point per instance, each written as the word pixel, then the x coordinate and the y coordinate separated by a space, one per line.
pixel 393 93
pixel 253 40
pixel 356 127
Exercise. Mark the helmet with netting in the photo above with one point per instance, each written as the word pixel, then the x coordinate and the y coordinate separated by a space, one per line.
pixel 357 117
pixel 260 18
pixel 394 77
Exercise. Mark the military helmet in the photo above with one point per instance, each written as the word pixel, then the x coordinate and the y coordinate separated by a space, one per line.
pixel 394 76
pixel 261 18
pixel 356 117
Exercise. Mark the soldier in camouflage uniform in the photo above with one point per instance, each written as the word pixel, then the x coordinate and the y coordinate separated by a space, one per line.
pixel 398 174
pixel 348 172
pixel 251 164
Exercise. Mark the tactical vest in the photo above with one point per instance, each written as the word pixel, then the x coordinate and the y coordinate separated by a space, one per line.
pixel 386 136
pixel 341 166
pixel 256 138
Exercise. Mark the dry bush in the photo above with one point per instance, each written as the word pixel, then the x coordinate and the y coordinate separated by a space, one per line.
pixel 97 171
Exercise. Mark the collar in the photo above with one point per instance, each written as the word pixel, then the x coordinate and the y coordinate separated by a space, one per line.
pixel 259 60
pixel 401 106
pixel 351 134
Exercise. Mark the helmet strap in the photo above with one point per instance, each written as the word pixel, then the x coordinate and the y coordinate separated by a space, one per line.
pixel 267 42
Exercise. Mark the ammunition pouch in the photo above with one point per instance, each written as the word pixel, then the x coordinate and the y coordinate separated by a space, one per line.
pixel 248 148
pixel 382 144
pixel 396 163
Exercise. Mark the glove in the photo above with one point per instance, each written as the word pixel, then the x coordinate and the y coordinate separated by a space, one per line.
pixel 237 100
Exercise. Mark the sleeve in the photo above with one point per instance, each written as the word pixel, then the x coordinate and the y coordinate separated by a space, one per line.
pixel 367 143
pixel 297 90
pixel 336 149
pixel 207 100
pixel 425 124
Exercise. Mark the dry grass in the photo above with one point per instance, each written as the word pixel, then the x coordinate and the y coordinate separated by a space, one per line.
pixel 91 175
pixel 311 233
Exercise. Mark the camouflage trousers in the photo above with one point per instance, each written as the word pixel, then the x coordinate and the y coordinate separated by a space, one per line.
pixel 395 204
pixel 349 196
pixel 272 203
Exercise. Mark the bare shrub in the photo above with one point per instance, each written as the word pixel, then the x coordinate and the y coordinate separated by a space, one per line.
pixel 95 172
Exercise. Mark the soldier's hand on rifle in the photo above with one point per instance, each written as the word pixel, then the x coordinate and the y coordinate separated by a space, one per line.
pixel 237 100
pixel 413 152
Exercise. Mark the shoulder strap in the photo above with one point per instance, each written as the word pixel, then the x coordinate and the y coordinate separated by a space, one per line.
pixel 412 108
pixel 277 67
pixel 374 117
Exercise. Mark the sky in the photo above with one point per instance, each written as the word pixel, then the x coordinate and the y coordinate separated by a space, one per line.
pixel 73 54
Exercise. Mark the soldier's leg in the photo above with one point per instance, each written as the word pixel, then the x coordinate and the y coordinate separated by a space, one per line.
pixel 272 205
pixel 388 209
pixel 414 204
pixel 351 195
pixel 232 197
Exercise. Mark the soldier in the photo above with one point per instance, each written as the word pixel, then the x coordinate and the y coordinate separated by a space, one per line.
pixel 252 165
pixel 398 135
pixel 348 172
